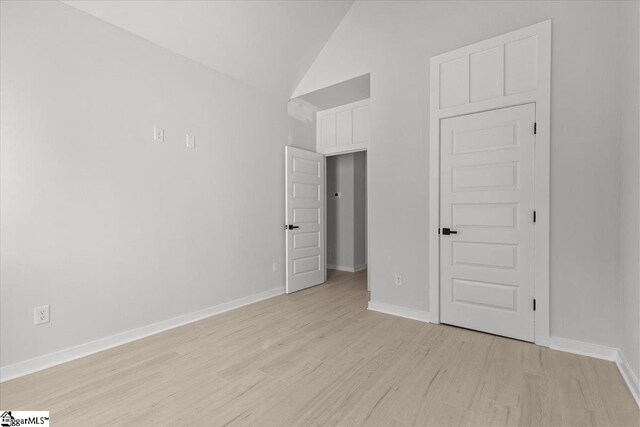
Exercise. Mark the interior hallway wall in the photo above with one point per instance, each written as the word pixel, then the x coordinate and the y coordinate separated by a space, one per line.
pixel 360 209
pixel 340 212
pixel 346 214
pixel 113 230
pixel 393 40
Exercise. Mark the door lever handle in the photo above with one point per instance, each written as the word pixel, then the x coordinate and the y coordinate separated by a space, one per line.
pixel 447 231
pixel 291 227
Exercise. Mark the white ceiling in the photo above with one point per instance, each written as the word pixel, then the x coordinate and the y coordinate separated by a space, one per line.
pixel 267 44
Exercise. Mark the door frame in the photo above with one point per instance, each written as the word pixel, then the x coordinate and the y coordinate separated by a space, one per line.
pixel 541 97
pixel 367 210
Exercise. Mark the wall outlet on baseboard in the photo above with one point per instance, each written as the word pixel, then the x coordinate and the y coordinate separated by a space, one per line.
pixel 397 279
pixel 41 315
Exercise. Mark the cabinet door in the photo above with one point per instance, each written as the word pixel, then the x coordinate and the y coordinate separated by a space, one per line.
pixel 328 131
pixel 361 125
pixel 344 128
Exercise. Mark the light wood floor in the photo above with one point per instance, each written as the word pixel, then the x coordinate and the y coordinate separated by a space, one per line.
pixel 318 357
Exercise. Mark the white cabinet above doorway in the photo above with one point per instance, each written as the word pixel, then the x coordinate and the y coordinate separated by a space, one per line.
pixel 343 129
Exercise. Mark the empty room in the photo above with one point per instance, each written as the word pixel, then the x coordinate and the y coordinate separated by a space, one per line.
pixel 320 212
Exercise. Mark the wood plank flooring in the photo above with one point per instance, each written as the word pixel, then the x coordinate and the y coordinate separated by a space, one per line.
pixel 319 357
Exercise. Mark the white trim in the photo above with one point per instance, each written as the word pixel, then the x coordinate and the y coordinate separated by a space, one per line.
pixel 359 268
pixel 368 215
pixel 395 310
pixel 349 269
pixel 628 376
pixel 542 98
pixel 583 348
pixel 340 268
pixel 345 149
pixel 604 353
pixel 555 343
pixel 341 149
pixel 62 356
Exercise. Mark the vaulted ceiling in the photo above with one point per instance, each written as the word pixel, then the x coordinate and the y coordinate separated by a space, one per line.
pixel 267 44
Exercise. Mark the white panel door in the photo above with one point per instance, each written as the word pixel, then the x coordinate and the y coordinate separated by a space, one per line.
pixel 487 199
pixel 305 197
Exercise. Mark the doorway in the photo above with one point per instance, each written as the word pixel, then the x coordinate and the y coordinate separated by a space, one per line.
pixel 326 217
pixel 346 211
pixel 502 276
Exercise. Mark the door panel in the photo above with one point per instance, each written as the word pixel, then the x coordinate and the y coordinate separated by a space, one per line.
pixel 344 128
pixel 328 131
pixel 304 201
pixel 487 196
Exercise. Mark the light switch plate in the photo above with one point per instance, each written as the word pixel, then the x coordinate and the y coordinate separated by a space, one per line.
pixel 158 134
pixel 397 279
pixel 191 141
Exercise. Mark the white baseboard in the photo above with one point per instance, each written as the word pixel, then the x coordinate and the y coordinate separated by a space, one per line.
pixel 340 268
pixel 583 348
pixel 52 359
pixel 359 268
pixel 628 376
pixel 48 360
pixel 601 352
pixel 395 310
pixel 349 269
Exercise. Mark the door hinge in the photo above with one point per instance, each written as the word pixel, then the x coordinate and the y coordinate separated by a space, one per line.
pixel 534 304
pixel 534 216
pixel 535 128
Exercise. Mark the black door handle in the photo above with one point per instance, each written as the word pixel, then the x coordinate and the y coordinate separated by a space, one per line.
pixel 447 231
pixel 290 227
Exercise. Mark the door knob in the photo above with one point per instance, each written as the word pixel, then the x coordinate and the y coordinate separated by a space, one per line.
pixel 290 227
pixel 447 231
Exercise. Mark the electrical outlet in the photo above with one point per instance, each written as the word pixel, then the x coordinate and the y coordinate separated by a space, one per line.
pixel 275 266
pixel 397 279
pixel 158 134
pixel 41 315
pixel 191 141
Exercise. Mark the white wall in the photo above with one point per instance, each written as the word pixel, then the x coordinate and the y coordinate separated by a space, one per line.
pixel 394 41
pixel 340 212
pixel 346 215
pixel 114 230
pixel 360 209
pixel 302 134
pixel 630 188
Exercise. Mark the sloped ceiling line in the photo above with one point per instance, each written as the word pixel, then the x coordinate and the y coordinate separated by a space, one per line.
pixel 266 44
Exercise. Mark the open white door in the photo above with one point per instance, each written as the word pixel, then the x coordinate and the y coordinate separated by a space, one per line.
pixel 305 198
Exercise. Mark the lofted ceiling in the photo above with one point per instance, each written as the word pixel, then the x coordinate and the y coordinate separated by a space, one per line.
pixel 267 44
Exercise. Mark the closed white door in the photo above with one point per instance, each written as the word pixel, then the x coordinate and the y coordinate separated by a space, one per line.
pixel 304 219
pixel 487 221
